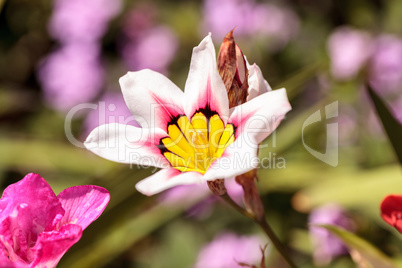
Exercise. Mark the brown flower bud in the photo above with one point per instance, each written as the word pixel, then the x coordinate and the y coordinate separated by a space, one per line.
pixel 217 187
pixel 233 70
pixel 252 198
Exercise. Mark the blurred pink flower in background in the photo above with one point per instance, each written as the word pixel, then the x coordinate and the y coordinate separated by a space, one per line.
pixel 70 75
pixel 279 24
pixel 37 227
pixel 187 193
pixel 251 19
pixel 386 66
pixel 154 50
pixel 138 20
pixel 325 245
pixel 73 73
pixel 145 44
pixel 349 50
pixel 221 16
pixel 111 108
pixel 396 107
pixel 228 249
pixel 385 74
pixel 347 120
pixel 82 20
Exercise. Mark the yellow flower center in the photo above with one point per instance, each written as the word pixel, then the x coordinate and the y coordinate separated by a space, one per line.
pixel 194 145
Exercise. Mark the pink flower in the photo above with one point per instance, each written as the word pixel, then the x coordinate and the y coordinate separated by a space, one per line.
pixel 71 75
pixel 38 227
pixel 386 66
pixel 251 19
pixel 82 21
pixel 326 245
pixel 184 194
pixel 349 50
pixel 228 250
pixel 193 136
pixel 155 50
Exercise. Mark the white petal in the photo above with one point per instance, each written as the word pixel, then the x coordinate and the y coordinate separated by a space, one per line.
pixel 167 178
pixel 257 85
pixel 152 98
pixel 204 86
pixel 259 117
pixel 127 144
pixel 238 158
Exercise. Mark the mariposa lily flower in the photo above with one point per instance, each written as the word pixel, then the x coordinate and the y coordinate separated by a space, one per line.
pixel 37 227
pixel 193 136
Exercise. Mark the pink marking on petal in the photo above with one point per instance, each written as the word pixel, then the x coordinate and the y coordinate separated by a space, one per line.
pixel 239 122
pixel 206 101
pixel 166 112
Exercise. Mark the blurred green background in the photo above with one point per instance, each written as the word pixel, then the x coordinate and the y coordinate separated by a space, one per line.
pixel 46 69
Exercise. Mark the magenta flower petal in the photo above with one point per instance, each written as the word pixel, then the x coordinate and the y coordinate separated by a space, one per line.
pixel 35 229
pixel 5 261
pixel 51 246
pixel 32 204
pixel 83 204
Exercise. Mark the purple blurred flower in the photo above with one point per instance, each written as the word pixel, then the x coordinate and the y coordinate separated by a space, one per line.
pixel 327 246
pixel 278 23
pixel 110 109
pixel 386 65
pixel 154 50
pixel 349 50
pixel 396 107
pixel 186 193
pixel 347 121
pixel 82 20
pixel 71 75
pixel 228 249
pixel 138 21
pixel 250 19
pixel 221 16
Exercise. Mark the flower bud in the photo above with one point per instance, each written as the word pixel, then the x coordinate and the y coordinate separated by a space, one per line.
pixel 252 198
pixel 233 70
pixel 217 187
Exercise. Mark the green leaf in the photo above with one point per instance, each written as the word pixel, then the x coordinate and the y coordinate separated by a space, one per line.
pixel 392 127
pixel 39 155
pixel 362 252
pixel 295 82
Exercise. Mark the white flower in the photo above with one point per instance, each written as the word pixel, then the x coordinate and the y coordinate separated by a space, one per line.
pixel 193 136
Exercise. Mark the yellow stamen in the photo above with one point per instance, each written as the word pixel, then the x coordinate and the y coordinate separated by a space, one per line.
pixel 194 145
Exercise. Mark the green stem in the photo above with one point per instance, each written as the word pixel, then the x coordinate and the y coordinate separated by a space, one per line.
pixel 265 226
